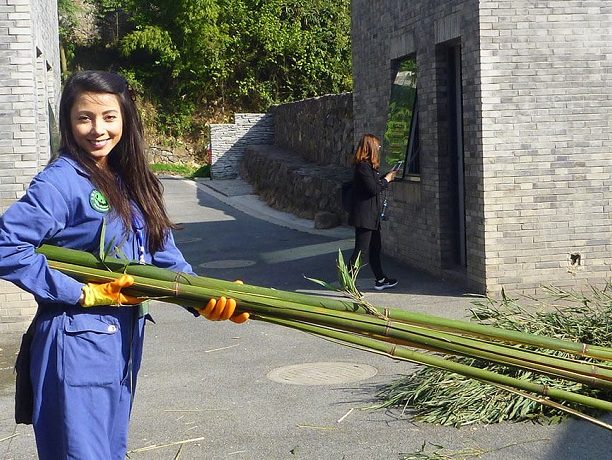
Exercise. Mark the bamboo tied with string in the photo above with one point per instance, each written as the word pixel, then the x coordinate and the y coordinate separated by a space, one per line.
pixel 400 334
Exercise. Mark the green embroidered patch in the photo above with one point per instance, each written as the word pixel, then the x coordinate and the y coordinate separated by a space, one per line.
pixel 98 201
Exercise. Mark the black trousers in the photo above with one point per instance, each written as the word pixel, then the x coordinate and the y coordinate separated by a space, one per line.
pixel 368 243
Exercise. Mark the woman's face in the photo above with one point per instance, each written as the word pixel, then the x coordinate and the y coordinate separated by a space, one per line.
pixel 97 124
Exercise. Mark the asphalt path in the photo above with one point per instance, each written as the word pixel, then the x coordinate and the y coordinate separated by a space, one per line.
pixel 212 390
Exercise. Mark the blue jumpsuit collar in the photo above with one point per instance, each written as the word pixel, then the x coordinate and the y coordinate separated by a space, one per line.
pixel 72 162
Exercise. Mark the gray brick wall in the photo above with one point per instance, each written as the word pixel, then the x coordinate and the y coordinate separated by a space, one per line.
pixel 228 141
pixel 546 134
pixel 29 85
pixel 415 232
pixel 536 126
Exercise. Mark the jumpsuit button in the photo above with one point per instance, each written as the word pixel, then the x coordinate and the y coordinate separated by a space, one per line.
pixel 112 328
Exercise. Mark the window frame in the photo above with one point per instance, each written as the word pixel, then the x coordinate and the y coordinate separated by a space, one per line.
pixel 409 151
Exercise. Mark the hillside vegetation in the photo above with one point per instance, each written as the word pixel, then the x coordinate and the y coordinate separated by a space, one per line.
pixel 192 62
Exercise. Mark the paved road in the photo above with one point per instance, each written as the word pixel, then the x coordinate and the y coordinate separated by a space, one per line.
pixel 223 391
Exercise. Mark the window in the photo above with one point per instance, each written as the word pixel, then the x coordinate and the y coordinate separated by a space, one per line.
pixel 401 140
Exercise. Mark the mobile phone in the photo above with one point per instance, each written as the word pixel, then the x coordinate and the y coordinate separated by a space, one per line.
pixel 397 166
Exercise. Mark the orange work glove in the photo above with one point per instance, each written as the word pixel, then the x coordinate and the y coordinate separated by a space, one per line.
pixel 109 293
pixel 222 309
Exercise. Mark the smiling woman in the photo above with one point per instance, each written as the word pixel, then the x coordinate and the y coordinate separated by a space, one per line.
pixel 79 361
pixel 97 124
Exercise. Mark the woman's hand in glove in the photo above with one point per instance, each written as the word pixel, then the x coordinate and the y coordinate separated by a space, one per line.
pixel 95 294
pixel 222 309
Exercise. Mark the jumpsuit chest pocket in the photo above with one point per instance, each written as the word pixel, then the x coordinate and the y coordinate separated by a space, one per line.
pixel 91 350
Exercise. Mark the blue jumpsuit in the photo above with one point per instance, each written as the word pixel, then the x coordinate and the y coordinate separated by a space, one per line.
pixel 84 361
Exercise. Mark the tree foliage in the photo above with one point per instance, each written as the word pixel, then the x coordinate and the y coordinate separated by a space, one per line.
pixel 284 50
pixel 76 27
pixel 214 57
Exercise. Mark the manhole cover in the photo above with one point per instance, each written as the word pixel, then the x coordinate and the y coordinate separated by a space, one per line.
pixel 236 263
pixel 324 373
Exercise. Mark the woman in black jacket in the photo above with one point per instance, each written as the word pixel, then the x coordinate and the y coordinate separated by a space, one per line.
pixel 366 211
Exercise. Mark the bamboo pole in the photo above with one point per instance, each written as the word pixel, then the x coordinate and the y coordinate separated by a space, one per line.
pixel 421 319
pixel 394 351
pixel 359 324
pixel 177 292
pixel 366 330
pixel 353 323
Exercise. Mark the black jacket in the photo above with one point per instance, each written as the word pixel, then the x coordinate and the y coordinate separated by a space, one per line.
pixel 367 187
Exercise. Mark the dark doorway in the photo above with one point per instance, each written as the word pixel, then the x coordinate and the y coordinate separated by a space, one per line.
pixel 455 150
pixel 452 133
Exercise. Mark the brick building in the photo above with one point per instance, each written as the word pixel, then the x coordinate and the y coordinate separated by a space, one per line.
pixel 506 133
pixel 29 93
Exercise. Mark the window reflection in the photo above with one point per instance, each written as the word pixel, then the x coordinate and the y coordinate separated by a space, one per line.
pixel 401 131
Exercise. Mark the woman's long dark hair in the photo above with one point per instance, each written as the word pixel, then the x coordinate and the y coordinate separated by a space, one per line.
pixel 367 150
pixel 127 160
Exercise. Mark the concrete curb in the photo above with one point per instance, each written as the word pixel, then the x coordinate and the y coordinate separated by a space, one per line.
pixel 239 195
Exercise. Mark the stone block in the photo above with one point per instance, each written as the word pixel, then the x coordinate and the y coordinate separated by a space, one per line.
pixel 325 219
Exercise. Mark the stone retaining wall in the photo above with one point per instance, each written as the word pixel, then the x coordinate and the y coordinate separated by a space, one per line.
pixel 165 155
pixel 303 171
pixel 287 182
pixel 320 129
pixel 228 141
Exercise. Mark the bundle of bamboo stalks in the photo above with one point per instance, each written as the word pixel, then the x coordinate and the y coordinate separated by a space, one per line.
pixel 397 333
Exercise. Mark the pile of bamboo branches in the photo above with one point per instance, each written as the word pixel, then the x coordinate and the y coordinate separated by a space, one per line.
pixel 397 333
pixel 436 396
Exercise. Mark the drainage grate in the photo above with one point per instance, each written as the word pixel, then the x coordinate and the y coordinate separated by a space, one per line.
pixel 322 373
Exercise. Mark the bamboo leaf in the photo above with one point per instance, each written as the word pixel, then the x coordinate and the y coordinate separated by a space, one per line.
pixel 326 285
